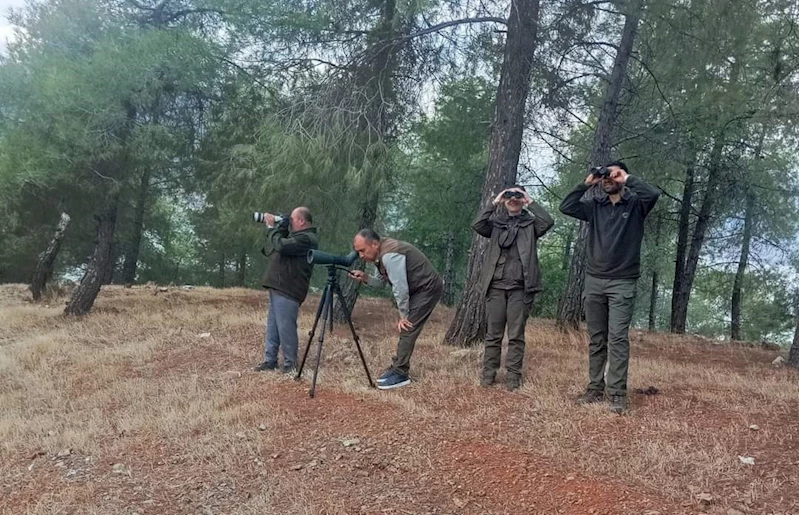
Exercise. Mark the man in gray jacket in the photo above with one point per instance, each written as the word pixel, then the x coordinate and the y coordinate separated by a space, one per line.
pixel 615 232
pixel 417 288
pixel 510 278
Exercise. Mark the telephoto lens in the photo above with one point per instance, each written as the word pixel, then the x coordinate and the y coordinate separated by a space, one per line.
pixel 259 217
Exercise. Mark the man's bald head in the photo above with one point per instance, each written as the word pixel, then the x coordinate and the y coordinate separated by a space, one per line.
pixel 301 219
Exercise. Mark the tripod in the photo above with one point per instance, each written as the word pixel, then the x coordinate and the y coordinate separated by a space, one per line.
pixel 325 313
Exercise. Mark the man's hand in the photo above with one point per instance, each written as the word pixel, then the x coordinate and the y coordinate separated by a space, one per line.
pixel 358 275
pixel 269 220
pixel 619 176
pixel 404 325
pixel 498 199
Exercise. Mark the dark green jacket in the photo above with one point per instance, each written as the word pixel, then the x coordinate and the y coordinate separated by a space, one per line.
pixel 288 270
pixel 534 223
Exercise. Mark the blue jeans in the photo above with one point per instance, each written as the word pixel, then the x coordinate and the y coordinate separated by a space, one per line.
pixel 281 329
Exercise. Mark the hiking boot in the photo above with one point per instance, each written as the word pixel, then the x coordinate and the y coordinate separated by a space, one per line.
pixel 591 397
pixel 618 404
pixel 487 379
pixel 395 380
pixel 265 366
pixel 384 376
pixel 513 383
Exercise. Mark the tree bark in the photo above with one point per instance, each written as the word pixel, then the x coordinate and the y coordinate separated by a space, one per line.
pixel 793 355
pixel 570 310
pixel 84 296
pixel 737 287
pixel 241 269
pixel 680 316
pixel 448 298
pixel 469 325
pixel 653 297
pixel 221 272
pixel 134 245
pixel 678 301
pixel 44 268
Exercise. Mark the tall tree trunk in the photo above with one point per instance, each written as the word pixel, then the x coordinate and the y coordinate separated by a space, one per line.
pixel 44 268
pixel 134 245
pixel 449 272
pixel 737 287
pixel 678 301
pixel 221 273
pixel 108 277
pixel 85 294
pixel 680 316
pixel 241 269
pixel 567 247
pixel 653 297
pixel 570 310
pixel 376 78
pixel 793 355
pixel 469 325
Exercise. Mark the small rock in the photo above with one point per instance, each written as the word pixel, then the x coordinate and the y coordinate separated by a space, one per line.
pixel 64 453
pixel 119 468
pixel 262 427
pixel 275 456
pixel 241 436
pixel 296 467
pixel 747 460
pixel 50 433
pixel 778 361
pixel 350 442
pixel 754 427
pixel 204 335
pixel 569 478
pixel 704 498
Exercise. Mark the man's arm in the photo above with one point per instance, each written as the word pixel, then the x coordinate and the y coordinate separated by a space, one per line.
pixel 394 264
pixel 483 224
pixel 646 193
pixel 543 221
pixel 573 206
pixel 296 245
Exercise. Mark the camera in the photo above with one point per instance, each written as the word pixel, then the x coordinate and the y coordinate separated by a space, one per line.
pixel 259 217
pixel 317 257
pixel 601 172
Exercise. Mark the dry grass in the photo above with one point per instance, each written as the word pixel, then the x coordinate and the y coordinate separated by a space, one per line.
pixel 135 383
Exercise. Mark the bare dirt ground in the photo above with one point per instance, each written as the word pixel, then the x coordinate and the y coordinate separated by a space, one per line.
pixel 135 409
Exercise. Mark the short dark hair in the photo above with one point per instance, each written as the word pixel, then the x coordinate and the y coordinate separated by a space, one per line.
pixel 519 186
pixel 369 235
pixel 305 214
pixel 620 164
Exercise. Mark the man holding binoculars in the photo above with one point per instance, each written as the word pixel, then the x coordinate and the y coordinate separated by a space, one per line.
pixel 510 277
pixel 287 278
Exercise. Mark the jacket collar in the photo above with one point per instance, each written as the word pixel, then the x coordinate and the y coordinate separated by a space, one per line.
pixel 604 198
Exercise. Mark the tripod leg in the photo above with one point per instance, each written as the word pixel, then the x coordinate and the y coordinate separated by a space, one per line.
pixel 346 311
pixel 328 310
pixel 311 334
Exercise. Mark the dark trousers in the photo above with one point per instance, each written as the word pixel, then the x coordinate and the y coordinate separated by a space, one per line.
pixel 422 304
pixel 609 307
pixel 505 308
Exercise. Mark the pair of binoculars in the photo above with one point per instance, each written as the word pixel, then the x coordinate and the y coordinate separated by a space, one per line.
pixel 513 194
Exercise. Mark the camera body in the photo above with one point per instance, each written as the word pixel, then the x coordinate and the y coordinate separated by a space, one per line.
pixel 279 219
pixel 601 172
pixel 318 257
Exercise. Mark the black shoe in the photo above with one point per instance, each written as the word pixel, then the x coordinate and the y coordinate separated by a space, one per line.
pixel 487 379
pixel 513 383
pixel 618 404
pixel 591 397
pixel 292 370
pixel 265 366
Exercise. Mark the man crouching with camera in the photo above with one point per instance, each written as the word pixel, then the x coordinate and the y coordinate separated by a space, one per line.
pixel 287 278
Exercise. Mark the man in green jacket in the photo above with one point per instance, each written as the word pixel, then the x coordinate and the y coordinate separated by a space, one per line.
pixel 510 278
pixel 615 215
pixel 287 278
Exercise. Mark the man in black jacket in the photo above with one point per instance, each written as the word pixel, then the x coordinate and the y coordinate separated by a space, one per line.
pixel 287 278
pixel 615 232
